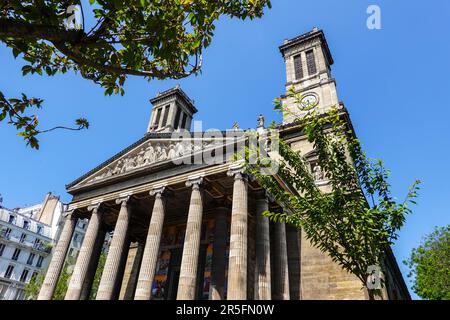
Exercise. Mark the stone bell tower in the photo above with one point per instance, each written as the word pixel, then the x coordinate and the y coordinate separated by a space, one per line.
pixel 308 70
pixel 172 110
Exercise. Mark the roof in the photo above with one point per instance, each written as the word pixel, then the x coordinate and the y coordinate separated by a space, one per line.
pixel 314 33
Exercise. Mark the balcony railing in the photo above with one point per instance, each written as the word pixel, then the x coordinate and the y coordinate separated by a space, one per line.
pixel 42 246
pixel 5 235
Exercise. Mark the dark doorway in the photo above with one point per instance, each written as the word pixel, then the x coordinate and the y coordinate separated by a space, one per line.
pixel 173 275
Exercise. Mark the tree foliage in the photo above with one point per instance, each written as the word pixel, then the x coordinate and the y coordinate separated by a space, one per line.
pixel 150 38
pixel 98 276
pixel 34 286
pixel 357 218
pixel 430 265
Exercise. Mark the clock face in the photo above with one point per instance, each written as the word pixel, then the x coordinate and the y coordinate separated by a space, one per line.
pixel 309 101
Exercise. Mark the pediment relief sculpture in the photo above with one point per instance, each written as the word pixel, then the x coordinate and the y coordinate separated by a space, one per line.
pixel 151 153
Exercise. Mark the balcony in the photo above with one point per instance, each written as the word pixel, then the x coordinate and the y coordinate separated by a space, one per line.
pixel 41 246
pixel 5 235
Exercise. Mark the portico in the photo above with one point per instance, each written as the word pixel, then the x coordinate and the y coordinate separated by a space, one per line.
pixel 194 227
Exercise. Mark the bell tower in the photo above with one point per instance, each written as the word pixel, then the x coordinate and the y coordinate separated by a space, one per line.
pixel 308 70
pixel 172 110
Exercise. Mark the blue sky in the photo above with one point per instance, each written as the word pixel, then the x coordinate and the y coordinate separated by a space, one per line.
pixel 394 81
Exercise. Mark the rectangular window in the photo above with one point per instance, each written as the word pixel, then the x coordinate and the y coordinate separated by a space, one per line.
pixel 39 229
pixel 16 254
pixel 8 233
pixel 177 118
pixel 24 275
pixel 75 237
pixel 23 236
pixel 30 259
pixel 39 262
pixel 166 115
pixel 12 218
pixel 26 224
pixel 2 248
pixel 9 272
pixel 157 118
pixel 311 62
pixel 298 67
pixel 37 243
pixel 183 122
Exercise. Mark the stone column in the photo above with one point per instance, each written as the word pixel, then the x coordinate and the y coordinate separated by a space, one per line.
pixel 58 259
pixel 131 272
pixel 237 265
pixel 219 258
pixel 263 287
pixel 281 272
pixel 293 253
pixel 191 248
pixel 107 290
pixel 150 256
pixel 87 286
pixel 85 255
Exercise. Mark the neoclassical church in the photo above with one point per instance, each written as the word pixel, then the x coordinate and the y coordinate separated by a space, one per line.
pixel 194 229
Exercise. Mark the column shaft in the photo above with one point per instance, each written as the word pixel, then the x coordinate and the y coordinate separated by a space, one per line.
pixel 88 282
pixel 191 248
pixel 219 259
pixel 281 272
pixel 58 259
pixel 293 253
pixel 263 288
pixel 131 272
pixel 150 256
pixel 237 266
pixel 84 257
pixel 107 289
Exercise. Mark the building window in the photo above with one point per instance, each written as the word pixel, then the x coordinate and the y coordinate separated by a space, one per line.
pixel 75 237
pixel 166 115
pixel 16 254
pixel 23 236
pixel 12 218
pixel 177 118
pixel 157 118
pixel 311 62
pixel 39 262
pixel 9 272
pixel 298 67
pixel 24 275
pixel 39 229
pixel 183 122
pixel 2 248
pixel 30 259
pixel 7 233
pixel 81 225
pixel 71 252
pixel 26 224
pixel 37 243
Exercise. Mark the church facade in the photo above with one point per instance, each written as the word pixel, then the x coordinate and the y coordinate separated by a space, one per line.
pixel 186 228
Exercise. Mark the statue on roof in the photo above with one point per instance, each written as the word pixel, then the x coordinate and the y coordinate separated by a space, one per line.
pixel 261 121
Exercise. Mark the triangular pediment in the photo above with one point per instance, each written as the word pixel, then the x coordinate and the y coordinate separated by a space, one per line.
pixel 145 154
